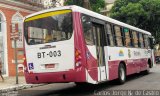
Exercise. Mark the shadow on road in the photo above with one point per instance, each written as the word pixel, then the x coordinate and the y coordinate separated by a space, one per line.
pixel 92 89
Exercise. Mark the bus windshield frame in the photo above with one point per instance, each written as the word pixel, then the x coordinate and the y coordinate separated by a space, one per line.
pixel 48 27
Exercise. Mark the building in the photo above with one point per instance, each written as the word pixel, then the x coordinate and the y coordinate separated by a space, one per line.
pixel 12 12
pixel 109 5
pixel 52 3
pixel 44 3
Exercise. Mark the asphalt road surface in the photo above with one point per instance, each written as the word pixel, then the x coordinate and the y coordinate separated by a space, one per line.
pixel 136 85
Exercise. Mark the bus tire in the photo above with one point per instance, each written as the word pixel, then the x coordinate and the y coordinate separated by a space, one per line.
pixel 121 74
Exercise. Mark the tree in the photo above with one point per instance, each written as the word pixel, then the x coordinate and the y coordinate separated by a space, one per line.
pixel 96 5
pixel 74 2
pixel 140 13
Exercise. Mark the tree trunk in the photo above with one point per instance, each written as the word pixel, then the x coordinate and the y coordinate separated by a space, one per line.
pixel 86 4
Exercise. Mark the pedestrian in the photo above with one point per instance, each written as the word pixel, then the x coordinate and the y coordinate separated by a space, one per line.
pixel 1 70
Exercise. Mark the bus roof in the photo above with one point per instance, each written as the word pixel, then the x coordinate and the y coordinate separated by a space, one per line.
pixel 75 8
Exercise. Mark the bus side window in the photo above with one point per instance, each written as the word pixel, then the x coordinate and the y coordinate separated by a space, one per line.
pixel 87 29
pixel 149 44
pixel 89 37
pixel 114 35
pixel 138 40
pixel 127 37
pixel 144 44
pixel 109 35
pixel 146 41
pixel 141 43
pixel 123 37
pixel 135 39
pixel 131 37
pixel 118 35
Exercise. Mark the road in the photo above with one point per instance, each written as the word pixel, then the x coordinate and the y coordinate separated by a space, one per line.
pixel 134 82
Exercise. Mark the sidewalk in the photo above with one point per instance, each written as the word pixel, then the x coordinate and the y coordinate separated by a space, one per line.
pixel 9 84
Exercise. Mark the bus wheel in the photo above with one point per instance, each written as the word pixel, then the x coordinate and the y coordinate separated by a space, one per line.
pixel 121 74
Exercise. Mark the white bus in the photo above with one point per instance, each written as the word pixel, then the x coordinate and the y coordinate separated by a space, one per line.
pixel 73 44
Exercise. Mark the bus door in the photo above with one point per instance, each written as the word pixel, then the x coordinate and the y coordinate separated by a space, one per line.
pixel 98 34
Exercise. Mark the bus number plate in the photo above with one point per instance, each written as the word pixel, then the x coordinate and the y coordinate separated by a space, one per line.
pixel 49 54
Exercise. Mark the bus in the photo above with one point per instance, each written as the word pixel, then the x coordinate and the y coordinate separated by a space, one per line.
pixel 73 44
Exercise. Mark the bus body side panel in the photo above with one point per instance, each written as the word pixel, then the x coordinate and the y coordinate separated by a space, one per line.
pixel 135 59
pixel 79 45
pixel 92 66
pixel 88 71
pixel 113 69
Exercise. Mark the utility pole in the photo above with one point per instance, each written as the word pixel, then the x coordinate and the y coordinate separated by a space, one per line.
pixel 86 4
pixel 15 36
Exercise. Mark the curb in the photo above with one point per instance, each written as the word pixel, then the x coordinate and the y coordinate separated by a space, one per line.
pixel 19 87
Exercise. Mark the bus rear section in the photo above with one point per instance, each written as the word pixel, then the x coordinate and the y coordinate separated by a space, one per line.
pixel 49 47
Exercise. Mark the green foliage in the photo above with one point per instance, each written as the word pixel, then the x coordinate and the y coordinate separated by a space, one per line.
pixel 140 13
pixel 96 5
pixel 74 2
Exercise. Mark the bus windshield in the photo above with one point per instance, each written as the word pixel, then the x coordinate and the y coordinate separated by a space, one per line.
pixel 48 27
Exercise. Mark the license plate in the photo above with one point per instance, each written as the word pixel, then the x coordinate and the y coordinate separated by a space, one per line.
pixel 49 65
